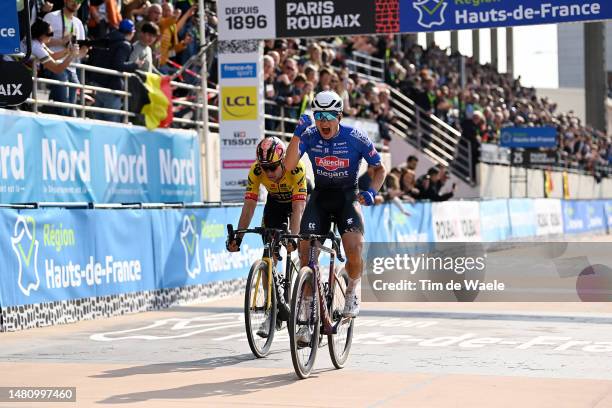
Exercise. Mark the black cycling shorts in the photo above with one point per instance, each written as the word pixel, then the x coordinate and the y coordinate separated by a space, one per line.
pixel 276 215
pixel 325 206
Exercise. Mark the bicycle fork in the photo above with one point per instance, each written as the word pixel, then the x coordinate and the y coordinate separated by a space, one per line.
pixel 270 285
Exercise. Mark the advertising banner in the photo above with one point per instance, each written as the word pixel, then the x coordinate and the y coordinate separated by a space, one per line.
pixel 492 153
pixel 549 217
pixel 608 213
pixel 298 18
pixel 56 254
pixel 583 216
pixel 78 161
pixel 456 221
pixel 49 255
pixel 522 217
pixel 190 246
pixel 529 137
pixel 241 107
pixel 387 223
pixel 9 28
pixel 268 19
pixel 533 157
pixel 494 220
pixel 446 15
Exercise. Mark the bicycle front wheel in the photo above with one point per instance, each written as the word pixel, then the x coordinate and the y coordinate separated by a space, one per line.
pixel 304 323
pixel 340 343
pixel 259 309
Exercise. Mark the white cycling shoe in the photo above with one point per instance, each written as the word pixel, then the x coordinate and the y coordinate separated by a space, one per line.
pixel 351 305
pixel 302 337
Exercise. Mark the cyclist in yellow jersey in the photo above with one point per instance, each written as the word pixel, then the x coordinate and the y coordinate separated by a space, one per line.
pixel 286 191
pixel 286 200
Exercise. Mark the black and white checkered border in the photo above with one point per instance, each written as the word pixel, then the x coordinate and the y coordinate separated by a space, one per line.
pixel 16 318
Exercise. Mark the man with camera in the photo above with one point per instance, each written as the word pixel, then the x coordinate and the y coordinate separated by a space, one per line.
pixel 67 30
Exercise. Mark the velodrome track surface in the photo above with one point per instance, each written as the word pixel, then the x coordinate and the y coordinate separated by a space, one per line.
pixel 404 354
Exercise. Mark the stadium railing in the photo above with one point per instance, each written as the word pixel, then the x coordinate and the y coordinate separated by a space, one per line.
pixel 431 135
pixel 368 67
pixel 82 108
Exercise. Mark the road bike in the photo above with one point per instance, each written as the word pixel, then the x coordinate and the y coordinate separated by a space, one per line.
pixel 268 293
pixel 317 308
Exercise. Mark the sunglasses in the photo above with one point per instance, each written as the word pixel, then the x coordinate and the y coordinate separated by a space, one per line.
pixel 270 167
pixel 326 115
pixel 49 34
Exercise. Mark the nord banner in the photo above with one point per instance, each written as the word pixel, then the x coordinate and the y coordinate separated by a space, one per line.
pixel 266 19
pixel 44 160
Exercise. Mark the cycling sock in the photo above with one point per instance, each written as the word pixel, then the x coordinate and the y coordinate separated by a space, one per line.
pixel 352 284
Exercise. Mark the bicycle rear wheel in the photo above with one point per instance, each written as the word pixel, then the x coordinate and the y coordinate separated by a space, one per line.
pixel 304 320
pixel 259 317
pixel 340 343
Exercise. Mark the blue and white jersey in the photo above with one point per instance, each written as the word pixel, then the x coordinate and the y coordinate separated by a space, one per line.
pixel 335 162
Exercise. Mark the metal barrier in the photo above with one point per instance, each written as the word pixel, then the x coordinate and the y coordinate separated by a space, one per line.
pixel 82 108
pixel 432 136
pixel 368 67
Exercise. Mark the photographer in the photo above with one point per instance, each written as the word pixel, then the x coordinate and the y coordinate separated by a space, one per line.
pixel 41 35
pixel 67 29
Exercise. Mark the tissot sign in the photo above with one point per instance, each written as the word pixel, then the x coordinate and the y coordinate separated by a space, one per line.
pixel 263 19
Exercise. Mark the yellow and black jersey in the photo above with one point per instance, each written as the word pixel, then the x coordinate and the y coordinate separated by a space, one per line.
pixel 291 187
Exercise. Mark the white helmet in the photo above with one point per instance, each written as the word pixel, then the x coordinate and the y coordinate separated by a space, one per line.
pixel 327 101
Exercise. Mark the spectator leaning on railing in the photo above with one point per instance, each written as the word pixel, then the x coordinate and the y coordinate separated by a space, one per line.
pixel 66 27
pixel 116 58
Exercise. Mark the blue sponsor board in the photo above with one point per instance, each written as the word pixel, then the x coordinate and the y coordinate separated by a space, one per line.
pixel 608 214
pixel 9 28
pixel 239 70
pixel 524 137
pixel 387 223
pixel 494 220
pixel 443 15
pixel 583 216
pixel 55 254
pixel 522 217
pixel 68 161
pixel 52 255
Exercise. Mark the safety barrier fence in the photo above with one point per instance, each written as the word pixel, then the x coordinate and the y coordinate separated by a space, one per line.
pixel 59 256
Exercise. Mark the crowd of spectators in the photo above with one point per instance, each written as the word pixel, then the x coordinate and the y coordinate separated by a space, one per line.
pixel 123 35
pixel 484 101
pixel 162 35
pixel 402 183
pixel 295 70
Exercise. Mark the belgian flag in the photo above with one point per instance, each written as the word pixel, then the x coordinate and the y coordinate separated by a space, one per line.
pixel 152 99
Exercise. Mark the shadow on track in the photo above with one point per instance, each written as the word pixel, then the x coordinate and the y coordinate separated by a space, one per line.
pixel 181 366
pixel 236 387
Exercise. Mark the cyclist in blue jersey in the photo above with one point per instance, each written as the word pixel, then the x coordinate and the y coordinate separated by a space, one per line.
pixel 335 152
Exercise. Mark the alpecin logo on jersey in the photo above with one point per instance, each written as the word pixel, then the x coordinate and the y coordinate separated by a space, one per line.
pixel 332 163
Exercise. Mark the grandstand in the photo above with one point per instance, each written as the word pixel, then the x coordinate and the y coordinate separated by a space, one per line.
pixel 443 104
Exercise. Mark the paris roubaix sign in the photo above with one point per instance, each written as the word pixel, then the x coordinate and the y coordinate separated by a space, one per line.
pixel 266 19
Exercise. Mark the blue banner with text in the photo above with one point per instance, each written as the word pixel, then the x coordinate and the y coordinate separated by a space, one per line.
pixel 446 15
pixel 9 29
pixel 79 161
